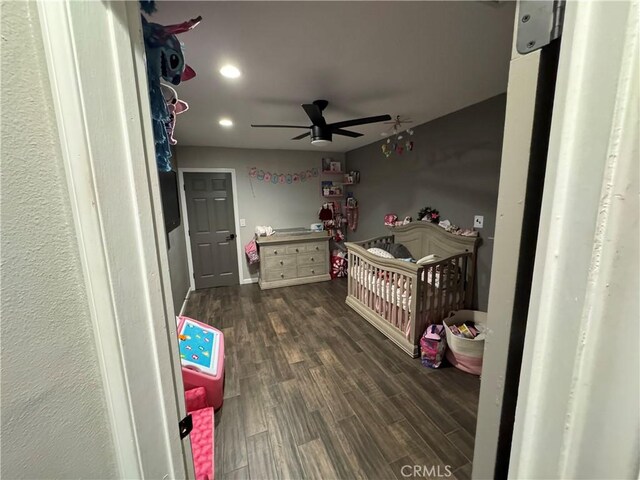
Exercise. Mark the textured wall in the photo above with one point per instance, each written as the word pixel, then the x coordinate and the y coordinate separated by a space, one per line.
pixel 281 206
pixel 54 422
pixel 455 167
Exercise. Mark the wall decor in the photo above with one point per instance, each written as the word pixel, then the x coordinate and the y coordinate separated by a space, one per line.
pixel 397 141
pixel 276 178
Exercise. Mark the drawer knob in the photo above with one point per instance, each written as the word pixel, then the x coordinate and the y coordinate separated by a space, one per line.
pixel 313 271
pixel 297 250
pixel 317 248
pixel 281 262
pixel 275 252
pixel 312 259
pixel 282 275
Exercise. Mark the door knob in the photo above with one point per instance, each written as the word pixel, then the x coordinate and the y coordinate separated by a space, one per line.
pixel 231 237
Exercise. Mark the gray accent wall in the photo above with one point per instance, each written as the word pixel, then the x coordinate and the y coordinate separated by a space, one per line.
pixel 454 167
pixel 259 203
pixel 54 413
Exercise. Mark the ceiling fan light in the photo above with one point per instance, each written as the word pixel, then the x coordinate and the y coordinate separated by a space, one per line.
pixel 320 142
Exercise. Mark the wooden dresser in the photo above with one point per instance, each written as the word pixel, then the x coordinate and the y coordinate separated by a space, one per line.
pixel 287 260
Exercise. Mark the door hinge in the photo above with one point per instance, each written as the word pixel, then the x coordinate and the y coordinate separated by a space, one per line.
pixel 539 23
pixel 185 425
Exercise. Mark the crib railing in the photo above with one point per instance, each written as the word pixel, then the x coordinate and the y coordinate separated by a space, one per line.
pixel 401 298
pixel 376 242
pixel 447 286
pixel 385 289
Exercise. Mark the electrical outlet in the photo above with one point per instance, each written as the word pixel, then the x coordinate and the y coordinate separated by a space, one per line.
pixel 478 221
pixel 243 222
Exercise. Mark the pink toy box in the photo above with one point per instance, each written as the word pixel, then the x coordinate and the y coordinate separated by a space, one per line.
pixel 202 357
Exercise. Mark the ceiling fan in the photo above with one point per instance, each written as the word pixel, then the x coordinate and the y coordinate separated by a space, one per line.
pixel 320 131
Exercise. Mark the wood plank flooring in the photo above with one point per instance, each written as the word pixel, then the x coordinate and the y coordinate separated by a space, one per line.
pixel 313 391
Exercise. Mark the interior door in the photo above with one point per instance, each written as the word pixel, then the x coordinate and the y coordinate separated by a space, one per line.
pixel 212 230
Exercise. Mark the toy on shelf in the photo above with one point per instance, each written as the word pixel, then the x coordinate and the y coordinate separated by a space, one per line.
pixel 352 178
pixel 165 60
pixel 331 166
pixel 333 220
pixel 352 212
pixel 331 189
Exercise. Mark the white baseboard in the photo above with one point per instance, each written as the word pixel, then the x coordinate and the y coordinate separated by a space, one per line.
pixel 184 303
pixel 249 281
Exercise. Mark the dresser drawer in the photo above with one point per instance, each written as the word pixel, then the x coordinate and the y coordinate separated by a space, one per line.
pixel 312 258
pixel 278 262
pixel 296 248
pixel 282 274
pixel 311 270
pixel 273 250
pixel 316 247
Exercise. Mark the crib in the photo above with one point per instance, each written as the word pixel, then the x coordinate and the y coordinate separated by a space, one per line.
pixel 400 298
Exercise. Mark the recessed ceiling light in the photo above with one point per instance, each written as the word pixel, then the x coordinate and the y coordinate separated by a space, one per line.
pixel 230 71
pixel 225 122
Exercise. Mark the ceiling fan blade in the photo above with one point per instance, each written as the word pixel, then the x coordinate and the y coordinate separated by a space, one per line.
pixel 299 137
pixel 346 133
pixel 360 121
pixel 314 113
pixel 279 126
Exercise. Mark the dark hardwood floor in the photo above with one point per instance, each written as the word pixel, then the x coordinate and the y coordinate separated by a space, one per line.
pixel 313 391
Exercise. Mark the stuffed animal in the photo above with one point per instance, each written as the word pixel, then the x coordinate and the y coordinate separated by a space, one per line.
pixel 164 60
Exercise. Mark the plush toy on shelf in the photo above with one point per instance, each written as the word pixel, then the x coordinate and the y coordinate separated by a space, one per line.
pixel 165 60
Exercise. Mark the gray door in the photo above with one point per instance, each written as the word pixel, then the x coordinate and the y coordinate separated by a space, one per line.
pixel 212 229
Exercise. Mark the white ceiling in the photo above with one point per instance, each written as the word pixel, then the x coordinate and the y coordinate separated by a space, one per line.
pixel 422 60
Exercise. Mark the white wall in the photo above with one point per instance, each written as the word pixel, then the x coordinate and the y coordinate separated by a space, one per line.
pixel 281 206
pixel 54 423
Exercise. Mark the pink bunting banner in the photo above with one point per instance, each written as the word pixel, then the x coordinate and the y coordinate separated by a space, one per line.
pixel 283 178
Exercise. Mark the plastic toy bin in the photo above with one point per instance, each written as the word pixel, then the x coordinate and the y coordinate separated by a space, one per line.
pixel 202 358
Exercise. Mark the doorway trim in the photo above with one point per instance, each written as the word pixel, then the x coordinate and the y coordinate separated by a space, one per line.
pixel 236 218
pixel 95 51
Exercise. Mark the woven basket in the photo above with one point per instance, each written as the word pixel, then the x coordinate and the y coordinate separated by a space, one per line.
pixel 466 353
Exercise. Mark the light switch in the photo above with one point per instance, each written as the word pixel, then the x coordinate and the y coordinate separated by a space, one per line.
pixel 243 222
pixel 478 221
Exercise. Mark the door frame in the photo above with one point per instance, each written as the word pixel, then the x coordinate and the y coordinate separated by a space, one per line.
pixel 185 216
pixel 592 124
pixel 94 51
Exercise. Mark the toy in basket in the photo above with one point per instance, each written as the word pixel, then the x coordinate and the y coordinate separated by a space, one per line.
pixel 202 358
pixel 465 331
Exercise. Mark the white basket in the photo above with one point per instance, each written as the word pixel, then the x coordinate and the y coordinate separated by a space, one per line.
pixel 466 353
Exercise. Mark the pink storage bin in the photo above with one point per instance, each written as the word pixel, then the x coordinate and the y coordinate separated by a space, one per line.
pixel 466 353
pixel 202 356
